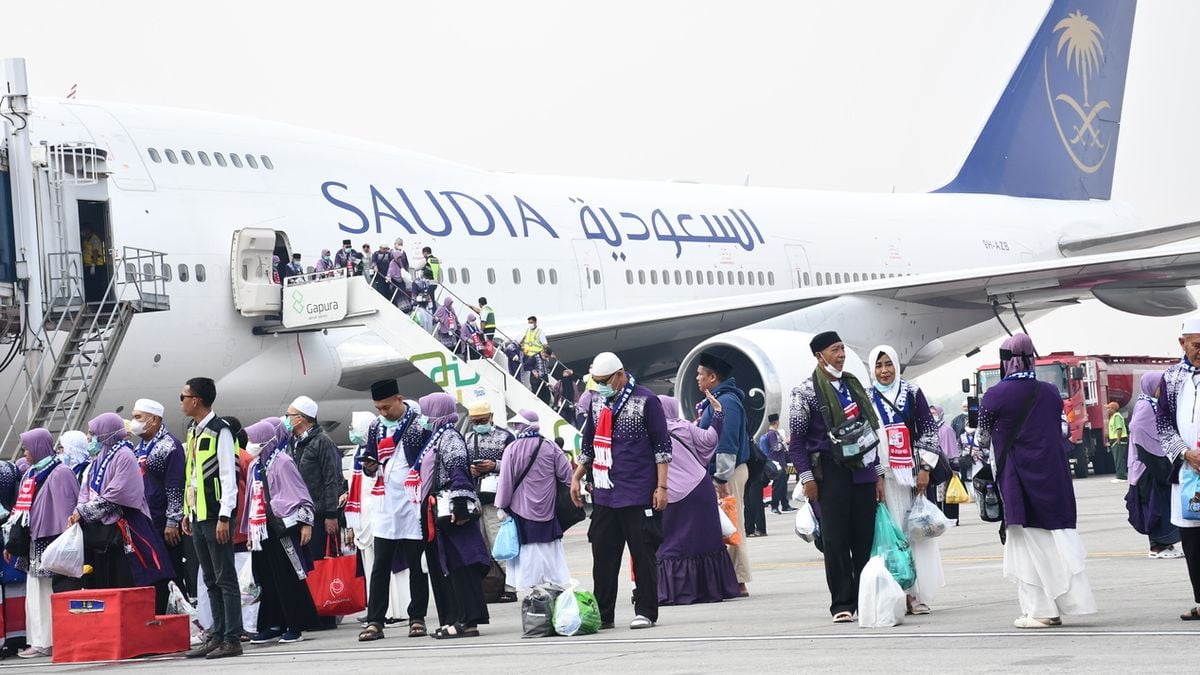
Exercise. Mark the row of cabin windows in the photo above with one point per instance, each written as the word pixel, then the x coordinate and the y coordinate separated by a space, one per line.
pixel 544 276
pixel 250 160
pixel 709 278
pixel 831 278
pixel 201 274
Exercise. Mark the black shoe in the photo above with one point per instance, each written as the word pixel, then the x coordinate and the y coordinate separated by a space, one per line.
pixel 225 650
pixel 605 625
pixel 508 596
pixel 790 509
pixel 775 511
pixel 203 650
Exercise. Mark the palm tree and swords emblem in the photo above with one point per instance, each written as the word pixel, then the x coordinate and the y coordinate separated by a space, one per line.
pixel 1080 38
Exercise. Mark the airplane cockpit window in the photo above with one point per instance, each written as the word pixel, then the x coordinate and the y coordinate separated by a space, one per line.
pixel 220 159
pixel 541 275
pixel 266 161
pixel 251 161
pixel 516 276
pixel 201 275
pixel 183 272
pixel 237 161
pixel 154 156
pixel 171 156
pixel 491 275
pixel 466 275
pixel 554 277
pixel 204 158
pixel 187 157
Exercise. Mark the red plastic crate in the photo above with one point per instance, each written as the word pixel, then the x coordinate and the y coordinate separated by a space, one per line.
pixel 113 624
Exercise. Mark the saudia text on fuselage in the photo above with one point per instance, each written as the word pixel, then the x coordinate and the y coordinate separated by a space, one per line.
pixel 438 213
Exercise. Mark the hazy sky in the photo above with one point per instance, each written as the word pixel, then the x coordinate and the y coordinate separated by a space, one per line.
pixel 860 96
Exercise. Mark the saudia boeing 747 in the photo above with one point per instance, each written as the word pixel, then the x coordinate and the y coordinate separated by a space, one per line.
pixel 655 272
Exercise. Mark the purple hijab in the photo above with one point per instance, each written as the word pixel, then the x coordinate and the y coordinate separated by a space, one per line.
pixel 1142 430
pixel 1021 347
pixel 55 498
pixel 287 488
pixel 692 449
pixel 534 497
pixel 525 418
pixel 440 409
pixel 444 314
pixel 122 482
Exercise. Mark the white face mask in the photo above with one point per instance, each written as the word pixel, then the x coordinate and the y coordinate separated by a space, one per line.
pixel 832 371
pixel 137 427
pixel 254 449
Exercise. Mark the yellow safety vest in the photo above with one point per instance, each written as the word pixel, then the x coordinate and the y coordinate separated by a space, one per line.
pixel 531 345
pixel 489 318
pixel 93 251
pixel 203 477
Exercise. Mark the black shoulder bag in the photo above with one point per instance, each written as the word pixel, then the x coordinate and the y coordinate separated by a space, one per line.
pixel 851 440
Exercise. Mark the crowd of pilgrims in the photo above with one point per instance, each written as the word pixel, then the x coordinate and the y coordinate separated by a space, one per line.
pixel 429 492
pixel 417 291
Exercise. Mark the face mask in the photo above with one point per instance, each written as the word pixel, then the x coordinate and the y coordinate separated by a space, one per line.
pixel 137 427
pixel 426 423
pixel 606 390
pixel 94 447
pixel 885 388
pixel 386 423
pixel 532 326
pixel 254 449
pixel 347 249
pixel 483 428
pixel 356 438
pixel 287 423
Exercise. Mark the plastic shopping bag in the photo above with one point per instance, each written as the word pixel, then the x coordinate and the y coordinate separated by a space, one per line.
pixel 537 610
pixel 798 492
pixel 508 542
pixel 728 518
pixel 566 613
pixel 1189 493
pixel 589 612
pixel 891 545
pixel 956 492
pixel 881 601
pixel 64 555
pixel 807 527
pixel 177 603
pixel 925 520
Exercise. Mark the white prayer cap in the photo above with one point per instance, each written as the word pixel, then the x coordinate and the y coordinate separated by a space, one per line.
pixel 479 407
pixel 147 406
pixel 605 364
pixel 306 406
pixel 1191 326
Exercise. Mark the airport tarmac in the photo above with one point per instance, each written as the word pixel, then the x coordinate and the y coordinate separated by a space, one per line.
pixel 784 626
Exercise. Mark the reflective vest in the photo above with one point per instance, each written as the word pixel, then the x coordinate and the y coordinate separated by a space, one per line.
pixel 1116 427
pixel 531 344
pixel 93 251
pixel 203 477
pixel 488 320
pixel 435 266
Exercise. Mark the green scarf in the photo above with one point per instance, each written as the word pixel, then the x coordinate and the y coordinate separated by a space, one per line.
pixel 830 398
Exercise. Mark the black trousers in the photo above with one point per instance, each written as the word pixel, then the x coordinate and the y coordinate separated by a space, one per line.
pixel 752 500
pixel 457 594
pixel 381 580
pixel 610 532
pixel 285 601
pixel 847 528
pixel 779 491
pixel 1189 537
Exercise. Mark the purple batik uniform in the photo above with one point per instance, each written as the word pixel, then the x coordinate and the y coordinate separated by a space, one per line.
pixel 640 442
pixel 810 435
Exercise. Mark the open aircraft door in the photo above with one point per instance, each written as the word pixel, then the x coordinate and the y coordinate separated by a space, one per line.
pixel 255 292
pixel 798 262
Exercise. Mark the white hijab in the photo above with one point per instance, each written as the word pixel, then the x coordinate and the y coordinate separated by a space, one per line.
pixel 873 358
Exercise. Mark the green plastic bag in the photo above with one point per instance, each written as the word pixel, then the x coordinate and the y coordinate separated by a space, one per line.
pixel 589 613
pixel 891 545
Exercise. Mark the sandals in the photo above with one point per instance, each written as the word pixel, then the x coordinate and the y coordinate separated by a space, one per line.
pixel 1193 614
pixel 417 629
pixel 370 634
pixel 455 631
pixel 919 608
pixel 843 617
pixel 1031 622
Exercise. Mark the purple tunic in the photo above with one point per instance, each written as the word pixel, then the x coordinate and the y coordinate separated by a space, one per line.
pixel 1036 482
pixel 640 443
pixel 533 499
pixel 56 496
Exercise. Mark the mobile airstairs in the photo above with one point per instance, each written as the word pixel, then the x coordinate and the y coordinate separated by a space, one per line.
pixel 324 300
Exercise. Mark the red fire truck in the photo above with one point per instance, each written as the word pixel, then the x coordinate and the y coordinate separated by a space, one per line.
pixel 1087 383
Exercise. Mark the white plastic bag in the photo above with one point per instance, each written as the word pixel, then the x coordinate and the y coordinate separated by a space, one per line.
pixel 566 613
pixel 881 601
pixel 798 492
pixel 177 603
pixel 925 520
pixel 806 522
pixel 65 555
pixel 728 529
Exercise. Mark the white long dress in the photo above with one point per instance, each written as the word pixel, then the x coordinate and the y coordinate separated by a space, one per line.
pixel 1048 568
pixel 927 554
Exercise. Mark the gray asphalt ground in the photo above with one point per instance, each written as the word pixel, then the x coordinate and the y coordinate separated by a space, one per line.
pixel 784 626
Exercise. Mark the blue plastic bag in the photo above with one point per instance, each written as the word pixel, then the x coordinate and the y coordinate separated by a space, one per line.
pixel 1189 493
pixel 891 545
pixel 507 543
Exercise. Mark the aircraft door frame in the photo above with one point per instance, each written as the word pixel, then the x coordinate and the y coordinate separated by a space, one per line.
pixel 255 292
pixel 798 263
pixel 587 259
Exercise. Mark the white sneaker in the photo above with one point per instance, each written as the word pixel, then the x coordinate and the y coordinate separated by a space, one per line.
pixel 1169 553
pixel 1116 480
pixel 640 621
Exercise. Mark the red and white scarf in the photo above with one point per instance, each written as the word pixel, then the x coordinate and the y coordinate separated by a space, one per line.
pixel 354 500
pixel 258 502
pixel 602 446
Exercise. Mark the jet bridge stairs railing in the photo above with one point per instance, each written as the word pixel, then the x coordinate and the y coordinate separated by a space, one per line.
pixel 331 299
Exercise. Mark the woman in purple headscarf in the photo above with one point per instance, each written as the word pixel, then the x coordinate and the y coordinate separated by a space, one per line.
pixel 1019 418
pixel 446 324
pixel 277 518
pixel 455 550
pixel 693 565
pixel 44 501
pixel 1150 470
pixel 121 543
pixel 529 477
pixel 472 338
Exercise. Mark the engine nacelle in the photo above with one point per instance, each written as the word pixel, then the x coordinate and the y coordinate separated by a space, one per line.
pixel 767 364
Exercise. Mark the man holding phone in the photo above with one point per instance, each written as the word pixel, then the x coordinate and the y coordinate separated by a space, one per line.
pixel 485 446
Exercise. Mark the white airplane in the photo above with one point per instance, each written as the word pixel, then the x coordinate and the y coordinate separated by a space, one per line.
pixel 657 272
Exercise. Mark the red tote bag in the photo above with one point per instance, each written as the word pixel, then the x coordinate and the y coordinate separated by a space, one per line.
pixel 336 587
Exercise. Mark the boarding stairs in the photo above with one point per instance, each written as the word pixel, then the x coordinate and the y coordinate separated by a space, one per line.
pixel 332 299
pixel 63 375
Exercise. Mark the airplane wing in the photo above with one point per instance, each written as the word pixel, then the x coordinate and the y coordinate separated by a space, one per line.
pixel 1124 241
pixel 1150 283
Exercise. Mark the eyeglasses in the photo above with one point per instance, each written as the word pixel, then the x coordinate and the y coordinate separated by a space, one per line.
pixel 604 380
pixel 186 396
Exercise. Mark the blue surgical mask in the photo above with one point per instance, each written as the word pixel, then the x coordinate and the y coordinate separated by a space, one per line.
pixel 606 390
pixel 426 423
pixel 287 423
pixel 885 388
pixel 386 423
pixel 94 447
pixel 483 428
pixel 356 438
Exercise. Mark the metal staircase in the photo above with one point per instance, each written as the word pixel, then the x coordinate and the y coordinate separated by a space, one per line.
pixel 331 299
pixel 57 386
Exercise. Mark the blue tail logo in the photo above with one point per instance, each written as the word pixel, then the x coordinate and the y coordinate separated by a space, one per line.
pixel 1082 40
pixel 1074 70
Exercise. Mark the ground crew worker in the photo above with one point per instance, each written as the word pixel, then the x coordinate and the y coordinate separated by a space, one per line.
pixel 1118 441
pixel 95 260
pixel 532 345
pixel 487 318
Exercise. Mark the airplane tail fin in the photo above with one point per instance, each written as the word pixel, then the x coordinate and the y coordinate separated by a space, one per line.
pixel 1054 132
